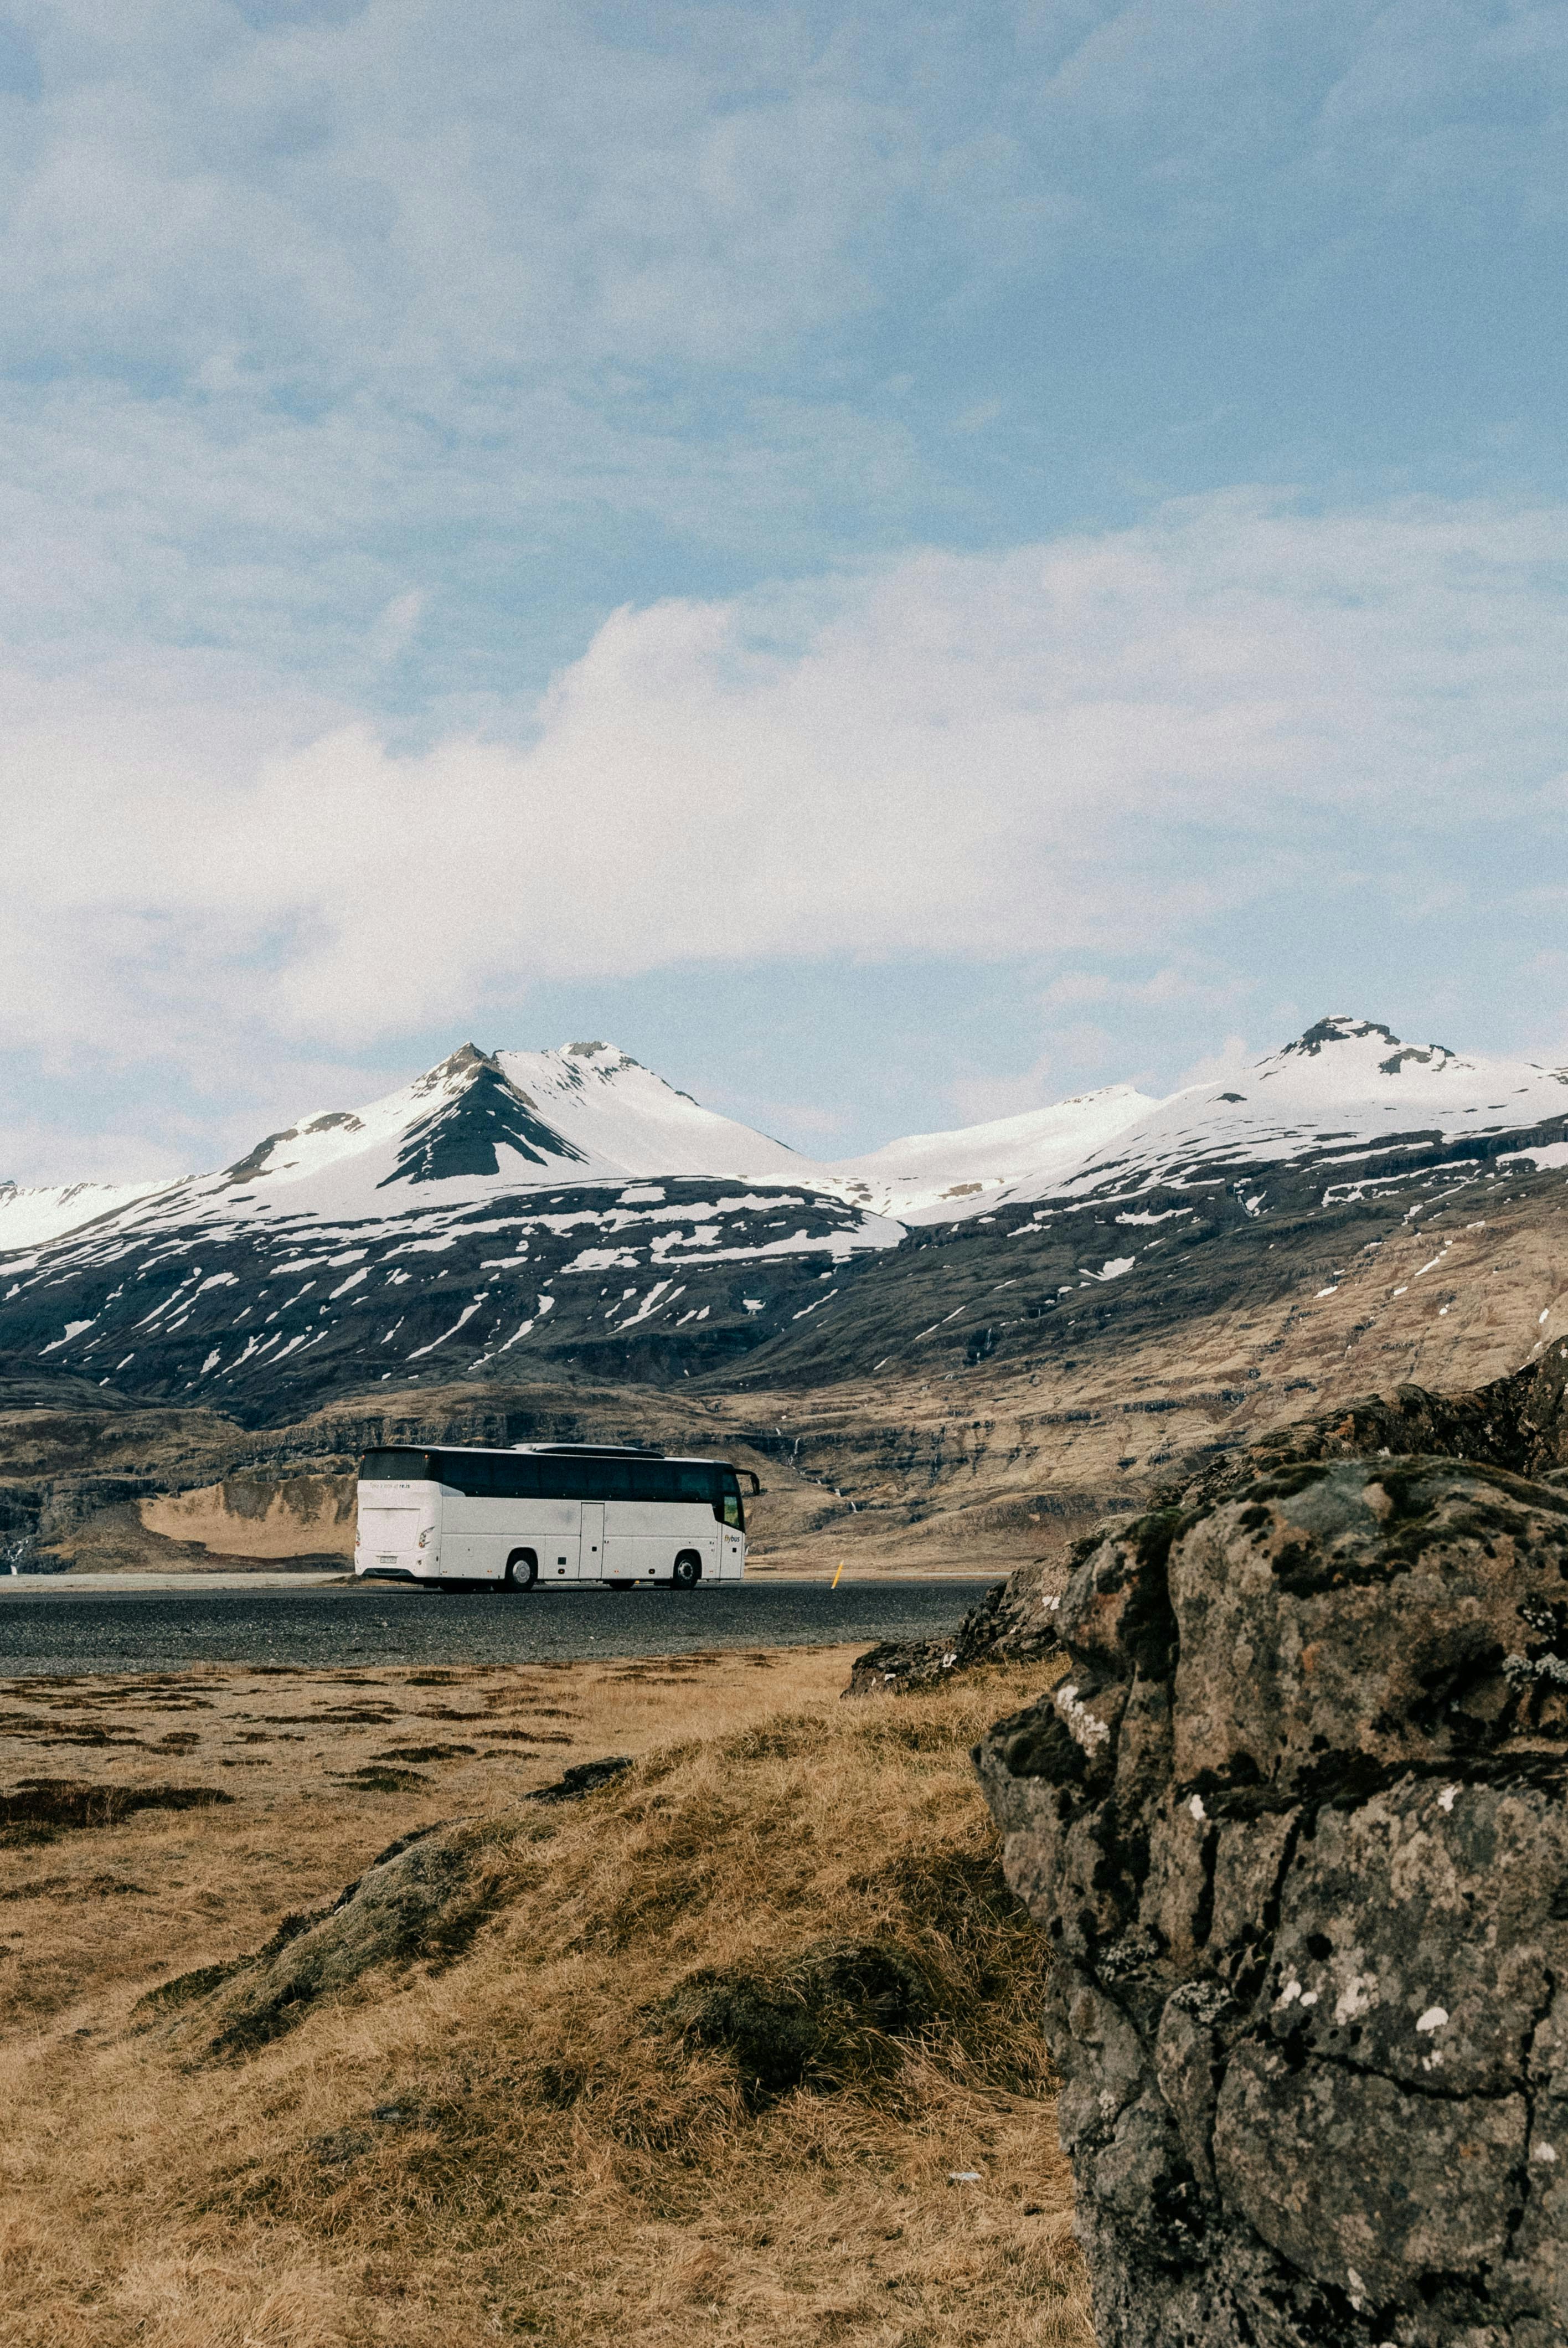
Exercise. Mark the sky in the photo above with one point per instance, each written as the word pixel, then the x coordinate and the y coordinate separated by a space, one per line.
pixel 900 561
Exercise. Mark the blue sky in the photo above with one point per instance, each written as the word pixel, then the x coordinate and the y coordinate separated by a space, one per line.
pixel 902 560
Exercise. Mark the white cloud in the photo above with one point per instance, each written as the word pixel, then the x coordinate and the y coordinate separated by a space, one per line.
pixel 977 1098
pixel 1088 744
pixel 289 297
pixel 356 356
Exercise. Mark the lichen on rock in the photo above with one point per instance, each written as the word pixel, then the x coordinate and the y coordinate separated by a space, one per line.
pixel 1294 1823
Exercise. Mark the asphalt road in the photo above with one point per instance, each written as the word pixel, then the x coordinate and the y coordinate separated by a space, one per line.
pixel 63 1631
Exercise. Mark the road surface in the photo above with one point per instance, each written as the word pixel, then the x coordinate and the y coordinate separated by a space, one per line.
pixel 53 1628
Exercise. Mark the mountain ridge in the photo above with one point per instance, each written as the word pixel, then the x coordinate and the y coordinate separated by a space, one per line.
pixel 570 1214
pixel 591 1111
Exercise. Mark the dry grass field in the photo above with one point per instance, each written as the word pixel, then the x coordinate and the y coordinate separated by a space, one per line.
pixel 625 2086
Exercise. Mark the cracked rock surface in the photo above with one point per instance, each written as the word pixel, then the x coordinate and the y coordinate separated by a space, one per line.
pixel 1294 1821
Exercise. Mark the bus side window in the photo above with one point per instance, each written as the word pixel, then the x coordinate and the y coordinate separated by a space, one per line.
pixel 599 1479
pixel 518 1479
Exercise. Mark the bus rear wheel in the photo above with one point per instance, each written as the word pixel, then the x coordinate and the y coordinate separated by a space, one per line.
pixel 522 1570
pixel 686 1571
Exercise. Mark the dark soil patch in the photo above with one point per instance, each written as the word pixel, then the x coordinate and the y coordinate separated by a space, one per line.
pixel 375 1778
pixel 521 1737
pixel 65 1803
pixel 56 1732
pixel 585 1778
pixel 826 2018
pixel 74 1887
pixel 425 1752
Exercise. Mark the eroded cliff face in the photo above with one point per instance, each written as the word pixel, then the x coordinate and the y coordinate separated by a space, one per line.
pixel 1293 1822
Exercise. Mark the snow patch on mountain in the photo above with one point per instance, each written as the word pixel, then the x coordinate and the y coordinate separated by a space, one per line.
pixel 604 1103
pixel 928 1178
pixel 32 1218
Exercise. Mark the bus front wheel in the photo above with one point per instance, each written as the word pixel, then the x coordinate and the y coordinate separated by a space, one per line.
pixel 522 1570
pixel 687 1571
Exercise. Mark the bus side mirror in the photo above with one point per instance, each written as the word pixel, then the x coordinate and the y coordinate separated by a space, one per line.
pixel 752 1473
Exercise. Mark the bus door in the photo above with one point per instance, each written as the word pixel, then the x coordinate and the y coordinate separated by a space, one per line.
pixel 592 1549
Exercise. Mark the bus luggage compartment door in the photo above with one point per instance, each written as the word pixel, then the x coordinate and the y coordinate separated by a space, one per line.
pixel 592 1554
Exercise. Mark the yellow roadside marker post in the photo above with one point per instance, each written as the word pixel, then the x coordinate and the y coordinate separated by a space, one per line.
pixel 834 1584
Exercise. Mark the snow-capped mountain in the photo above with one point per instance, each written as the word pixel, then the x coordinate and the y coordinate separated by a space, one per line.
pixel 570 1214
pixel 479 1122
pixel 546 1202
pixel 507 1120
pixel 942 1176
pixel 1341 1096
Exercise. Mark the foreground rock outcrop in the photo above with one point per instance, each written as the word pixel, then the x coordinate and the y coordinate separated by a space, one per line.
pixel 1014 1623
pixel 1294 1821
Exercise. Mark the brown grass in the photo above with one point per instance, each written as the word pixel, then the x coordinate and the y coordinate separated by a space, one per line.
pixel 531 2139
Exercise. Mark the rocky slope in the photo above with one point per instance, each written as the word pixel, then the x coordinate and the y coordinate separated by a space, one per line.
pixel 1293 1820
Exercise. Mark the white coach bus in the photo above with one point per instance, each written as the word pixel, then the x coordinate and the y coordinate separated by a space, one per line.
pixel 460 1516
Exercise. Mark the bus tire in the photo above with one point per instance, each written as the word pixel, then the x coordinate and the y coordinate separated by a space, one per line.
pixel 686 1571
pixel 522 1570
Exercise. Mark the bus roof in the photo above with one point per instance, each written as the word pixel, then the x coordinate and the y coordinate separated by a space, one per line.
pixel 560 1451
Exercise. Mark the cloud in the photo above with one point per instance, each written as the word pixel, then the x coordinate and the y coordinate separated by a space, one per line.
pixel 979 1100
pixel 366 364
pixel 306 309
pixel 1088 746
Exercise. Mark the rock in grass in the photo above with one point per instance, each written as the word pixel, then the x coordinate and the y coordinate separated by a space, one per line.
pixel 1014 1623
pixel 421 1902
pixel 1518 1423
pixel 1293 1820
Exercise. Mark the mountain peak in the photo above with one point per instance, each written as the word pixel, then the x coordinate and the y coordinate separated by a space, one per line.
pixel 464 1137
pixel 1390 1055
pixel 1339 1027
pixel 608 1059
pixel 465 1061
